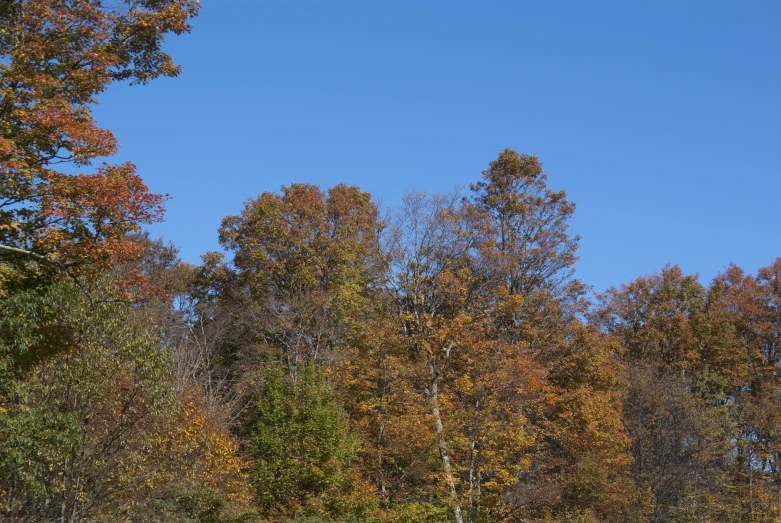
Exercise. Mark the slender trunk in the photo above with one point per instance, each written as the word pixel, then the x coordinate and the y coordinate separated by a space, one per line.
pixel 443 449
pixel 382 392
pixel 751 491
pixel 63 502
pixel 381 478
pixel 473 464
pixel 74 512
pixel 380 471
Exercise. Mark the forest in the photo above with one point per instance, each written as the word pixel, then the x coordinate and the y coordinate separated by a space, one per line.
pixel 338 361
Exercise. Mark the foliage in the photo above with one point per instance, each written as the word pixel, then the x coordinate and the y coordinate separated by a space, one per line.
pixel 296 436
pixel 303 265
pixel 440 365
pixel 56 57
pixel 73 420
pixel 96 428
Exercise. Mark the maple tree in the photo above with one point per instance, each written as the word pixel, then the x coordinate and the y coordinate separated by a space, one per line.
pixel 56 57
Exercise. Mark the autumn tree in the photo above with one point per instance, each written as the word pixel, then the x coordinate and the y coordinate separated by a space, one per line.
pixel 305 260
pixel 473 282
pixel 529 223
pixel 292 297
pixel 530 252
pixel 57 57
pixel 681 357
pixel 753 306
pixel 387 415
pixel 475 383
pixel 535 307
pixel 431 279
pixel 582 462
pixel 656 316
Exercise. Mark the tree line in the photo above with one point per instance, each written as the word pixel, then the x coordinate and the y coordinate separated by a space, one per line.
pixel 335 361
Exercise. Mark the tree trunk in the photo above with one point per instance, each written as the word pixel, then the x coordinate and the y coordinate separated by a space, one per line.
pixel 443 449
pixel 473 464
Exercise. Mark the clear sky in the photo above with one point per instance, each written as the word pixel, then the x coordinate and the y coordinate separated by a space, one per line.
pixel 661 119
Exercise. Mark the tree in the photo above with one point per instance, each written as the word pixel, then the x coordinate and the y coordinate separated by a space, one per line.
pixel 56 56
pixel 586 449
pixel 531 248
pixel 474 383
pixel 297 437
pixel 656 315
pixel 373 383
pixel 683 361
pixel 431 279
pixel 96 430
pixel 304 259
pixel 752 305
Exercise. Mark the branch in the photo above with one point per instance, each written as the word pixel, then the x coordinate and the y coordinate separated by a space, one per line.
pixel 30 254
pixel 66 268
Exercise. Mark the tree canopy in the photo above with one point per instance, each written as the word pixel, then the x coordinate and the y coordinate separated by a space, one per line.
pixel 338 362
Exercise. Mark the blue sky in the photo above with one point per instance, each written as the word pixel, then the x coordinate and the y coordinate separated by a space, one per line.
pixel 661 120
